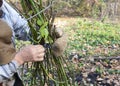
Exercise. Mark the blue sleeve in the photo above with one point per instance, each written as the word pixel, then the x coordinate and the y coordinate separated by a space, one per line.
pixel 21 29
pixel 18 23
pixel 8 70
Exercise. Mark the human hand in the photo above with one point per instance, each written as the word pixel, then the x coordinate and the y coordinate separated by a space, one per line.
pixel 30 53
pixel 60 43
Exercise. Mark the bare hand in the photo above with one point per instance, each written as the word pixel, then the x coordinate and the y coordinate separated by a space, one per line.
pixel 30 53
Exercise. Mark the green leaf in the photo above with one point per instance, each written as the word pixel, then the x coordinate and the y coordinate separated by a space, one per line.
pixel 46 33
pixel 50 40
pixel 30 12
pixel 39 22
pixel 43 26
pixel 43 31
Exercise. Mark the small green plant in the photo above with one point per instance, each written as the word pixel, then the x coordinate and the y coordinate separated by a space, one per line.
pixel 94 37
pixel 99 70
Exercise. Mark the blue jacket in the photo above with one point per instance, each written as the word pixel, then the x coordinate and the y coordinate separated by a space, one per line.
pixel 20 30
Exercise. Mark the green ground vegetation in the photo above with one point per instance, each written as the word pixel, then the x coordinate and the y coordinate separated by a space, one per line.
pixel 93 38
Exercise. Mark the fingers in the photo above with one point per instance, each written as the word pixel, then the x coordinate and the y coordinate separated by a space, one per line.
pixel 39 53
pixel 40 57
pixel 40 48
pixel 58 32
pixel 30 53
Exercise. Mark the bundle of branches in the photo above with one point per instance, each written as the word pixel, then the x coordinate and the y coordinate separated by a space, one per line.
pixel 40 18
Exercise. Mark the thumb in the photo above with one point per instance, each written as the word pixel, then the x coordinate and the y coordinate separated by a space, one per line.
pixel 58 32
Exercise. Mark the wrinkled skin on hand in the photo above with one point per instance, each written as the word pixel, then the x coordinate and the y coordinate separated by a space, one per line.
pixel 30 53
pixel 60 43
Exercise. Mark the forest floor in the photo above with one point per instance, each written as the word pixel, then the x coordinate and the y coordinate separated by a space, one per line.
pixel 92 71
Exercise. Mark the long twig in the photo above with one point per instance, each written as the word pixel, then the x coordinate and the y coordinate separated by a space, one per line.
pixel 107 58
pixel 39 12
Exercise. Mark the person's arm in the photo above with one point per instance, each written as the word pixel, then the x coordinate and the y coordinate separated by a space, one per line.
pixel 30 53
pixel 21 29
pixel 8 70
pixel 18 23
